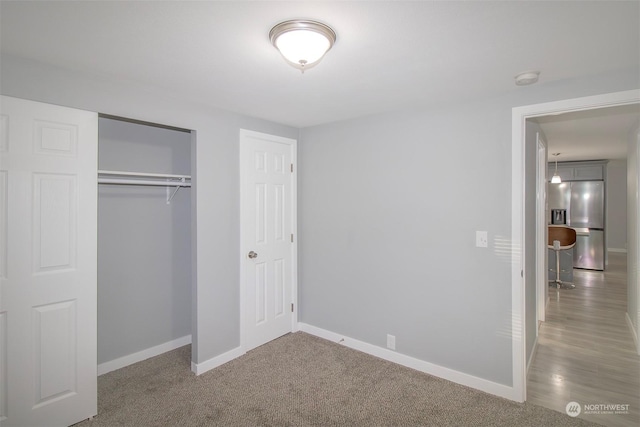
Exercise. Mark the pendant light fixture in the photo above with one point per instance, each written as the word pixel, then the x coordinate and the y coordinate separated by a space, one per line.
pixel 555 179
pixel 302 43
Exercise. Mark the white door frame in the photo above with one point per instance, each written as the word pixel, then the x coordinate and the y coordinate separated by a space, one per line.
pixel 294 227
pixel 542 287
pixel 519 116
pixel 633 224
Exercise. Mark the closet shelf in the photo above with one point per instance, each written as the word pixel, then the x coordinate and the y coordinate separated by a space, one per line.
pixel 142 178
pixel 147 179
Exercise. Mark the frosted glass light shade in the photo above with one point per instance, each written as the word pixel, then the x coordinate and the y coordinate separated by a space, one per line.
pixel 302 47
pixel 302 43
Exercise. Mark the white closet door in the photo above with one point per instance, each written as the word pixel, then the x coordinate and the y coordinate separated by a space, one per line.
pixel 48 217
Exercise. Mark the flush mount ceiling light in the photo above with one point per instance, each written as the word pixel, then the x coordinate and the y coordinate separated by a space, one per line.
pixel 555 179
pixel 527 78
pixel 302 43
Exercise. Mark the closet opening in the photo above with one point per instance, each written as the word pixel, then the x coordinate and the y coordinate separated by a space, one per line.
pixel 145 240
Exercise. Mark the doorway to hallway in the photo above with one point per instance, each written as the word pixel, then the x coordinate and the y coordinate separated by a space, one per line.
pixel 523 247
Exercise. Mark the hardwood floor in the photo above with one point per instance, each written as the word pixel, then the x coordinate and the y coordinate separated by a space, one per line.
pixel 585 351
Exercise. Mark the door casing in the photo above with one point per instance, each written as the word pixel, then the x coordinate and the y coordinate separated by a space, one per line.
pixel 518 177
pixel 542 288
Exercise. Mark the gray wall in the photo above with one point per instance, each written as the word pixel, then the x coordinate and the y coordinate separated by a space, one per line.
pixel 389 206
pixel 386 243
pixel 144 245
pixel 616 195
pixel 216 315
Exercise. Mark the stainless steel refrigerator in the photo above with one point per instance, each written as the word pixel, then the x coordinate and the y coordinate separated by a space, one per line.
pixel 584 205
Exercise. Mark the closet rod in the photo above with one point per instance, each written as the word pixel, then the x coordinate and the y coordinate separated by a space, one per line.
pixel 119 181
pixel 143 174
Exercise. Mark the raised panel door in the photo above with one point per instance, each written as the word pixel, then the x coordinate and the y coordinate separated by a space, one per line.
pixel 267 226
pixel 48 197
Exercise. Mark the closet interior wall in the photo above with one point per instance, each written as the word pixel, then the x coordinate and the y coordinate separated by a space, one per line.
pixel 144 244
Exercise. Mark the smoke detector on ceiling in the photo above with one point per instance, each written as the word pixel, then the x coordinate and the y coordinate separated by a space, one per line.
pixel 527 78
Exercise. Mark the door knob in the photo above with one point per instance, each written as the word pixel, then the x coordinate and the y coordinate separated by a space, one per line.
pixel 253 255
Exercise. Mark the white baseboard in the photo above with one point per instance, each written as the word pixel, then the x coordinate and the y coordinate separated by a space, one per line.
pixel 618 250
pixel 214 362
pixel 413 363
pixel 634 333
pixel 139 356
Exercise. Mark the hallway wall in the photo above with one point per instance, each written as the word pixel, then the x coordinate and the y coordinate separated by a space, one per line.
pixel 616 194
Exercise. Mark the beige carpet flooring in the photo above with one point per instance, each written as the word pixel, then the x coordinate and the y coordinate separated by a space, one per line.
pixel 300 380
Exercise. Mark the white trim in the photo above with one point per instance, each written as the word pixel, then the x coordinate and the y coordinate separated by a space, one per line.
pixel 634 334
pixel 519 115
pixel 533 354
pixel 294 230
pixel 617 250
pixel 214 362
pixel 145 354
pixel 634 202
pixel 542 286
pixel 518 331
pixel 411 362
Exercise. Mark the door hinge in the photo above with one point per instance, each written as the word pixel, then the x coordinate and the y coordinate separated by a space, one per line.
pixel 292 307
pixel 521 273
pixel 291 167
pixel 291 237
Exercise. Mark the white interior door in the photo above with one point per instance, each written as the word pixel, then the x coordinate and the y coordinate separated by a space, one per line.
pixel 267 237
pixel 48 180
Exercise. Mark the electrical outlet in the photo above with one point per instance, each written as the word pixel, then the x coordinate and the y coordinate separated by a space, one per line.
pixel 391 342
pixel 482 240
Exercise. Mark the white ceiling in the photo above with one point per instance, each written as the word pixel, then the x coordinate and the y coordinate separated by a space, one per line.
pixel 390 55
pixel 590 135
